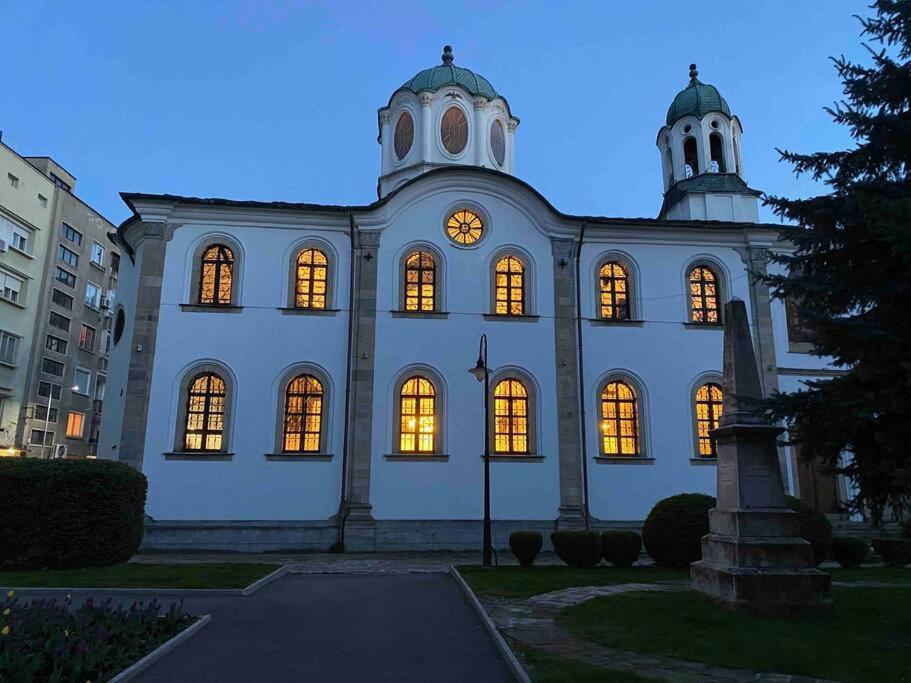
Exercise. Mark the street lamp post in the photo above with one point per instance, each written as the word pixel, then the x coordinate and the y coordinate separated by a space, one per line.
pixel 47 415
pixel 482 373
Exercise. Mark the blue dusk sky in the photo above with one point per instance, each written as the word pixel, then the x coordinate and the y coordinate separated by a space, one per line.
pixel 277 100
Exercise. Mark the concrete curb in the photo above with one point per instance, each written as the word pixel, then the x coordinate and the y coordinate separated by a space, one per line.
pixel 512 662
pixel 266 580
pixel 138 667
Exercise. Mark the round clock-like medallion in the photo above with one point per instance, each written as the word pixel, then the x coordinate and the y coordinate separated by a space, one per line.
pixel 464 227
pixel 454 130
pixel 498 141
pixel 404 135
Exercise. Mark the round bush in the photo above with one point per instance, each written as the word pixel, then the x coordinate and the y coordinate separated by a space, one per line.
pixel 906 529
pixel 62 514
pixel 815 528
pixel 526 545
pixel 896 552
pixel 673 530
pixel 850 551
pixel 621 548
pixel 577 548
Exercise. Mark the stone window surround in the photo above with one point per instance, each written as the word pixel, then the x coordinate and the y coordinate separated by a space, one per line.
pixel 531 388
pixel 638 386
pixel 529 282
pixel 633 284
pixel 237 270
pixel 187 377
pixel 439 292
pixel 721 289
pixel 710 377
pixel 439 417
pixel 325 415
pixel 291 281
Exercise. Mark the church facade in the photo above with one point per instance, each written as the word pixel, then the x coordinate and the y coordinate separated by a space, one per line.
pixel 290 375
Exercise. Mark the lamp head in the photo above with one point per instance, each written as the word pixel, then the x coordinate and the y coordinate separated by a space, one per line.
pixel 479 371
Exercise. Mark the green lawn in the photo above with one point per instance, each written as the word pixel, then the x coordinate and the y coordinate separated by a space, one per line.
pixel 867 637
pixel 546 668
pixel 522 582
pixel 208 575
pixel 883 574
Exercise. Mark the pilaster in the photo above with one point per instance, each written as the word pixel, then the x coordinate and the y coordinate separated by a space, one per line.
pixel 480 130
pixel 567 366
pixel 426 126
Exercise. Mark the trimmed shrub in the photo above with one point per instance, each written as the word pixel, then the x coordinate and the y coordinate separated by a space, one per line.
pixel 896 552
pixel 850 551
pixel 577 548
pixel 906 529
pixel 526 545
pixel 673 530
pixel 621 548
pixel 62 514
pixel 815 528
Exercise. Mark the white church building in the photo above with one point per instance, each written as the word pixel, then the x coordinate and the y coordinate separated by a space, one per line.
pixel 289 375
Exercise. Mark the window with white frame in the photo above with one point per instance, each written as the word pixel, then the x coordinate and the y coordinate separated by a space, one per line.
pixel 101 382
pixel 10 287
pixel 82 381
pixel 9 344
pixel 92 295
pixel 87 338
pixel 15 235
pixel 97 254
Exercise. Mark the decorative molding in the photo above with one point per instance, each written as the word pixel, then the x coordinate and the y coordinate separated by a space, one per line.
pixel 385 117
pixel 370 238
pixel 198 455
pixel 511 125
pixel 623 460
pixel 426 100
pixel 300 457
pixel 563 247
pixel 480 104
pixel 411 457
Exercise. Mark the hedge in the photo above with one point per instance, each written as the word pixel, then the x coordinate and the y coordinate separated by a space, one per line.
pixel 815 528
pixel 850 551
pixel 896 552
pixel 577 548
pixel 673 530
pixel 62 514
pixel 621 548
pixel 526 545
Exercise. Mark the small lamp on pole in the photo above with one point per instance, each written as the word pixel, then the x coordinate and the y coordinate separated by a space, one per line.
pixel 482 373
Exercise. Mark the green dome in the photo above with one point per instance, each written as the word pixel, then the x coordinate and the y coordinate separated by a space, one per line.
pixel 696 99
pixel 431 80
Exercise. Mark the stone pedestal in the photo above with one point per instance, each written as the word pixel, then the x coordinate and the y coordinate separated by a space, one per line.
pixel 753 558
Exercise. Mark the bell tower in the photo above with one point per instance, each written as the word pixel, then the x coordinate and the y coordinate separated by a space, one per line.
pixel 701 161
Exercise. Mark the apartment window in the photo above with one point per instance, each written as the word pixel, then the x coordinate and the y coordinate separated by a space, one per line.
pixel 20 241
pixel 14 234
pixel 70 233
pixel 52 343
pixel 39 437
pixel 87 338
pixel 97 255
pixel 102 365
pixel 10 287
pixel 105 342
pixel 42 201
pixel 46 389
pixel 82 381
pixel 92 295
pixel 101 382
pixel 13 180
pixel 59 182
pixel 75 423
pixel 62 299
pixel 61 322
pixel 41 413
pixel 65 276
pixel 115 264
pixel 69 257
pixel 52 367
pixel 9 344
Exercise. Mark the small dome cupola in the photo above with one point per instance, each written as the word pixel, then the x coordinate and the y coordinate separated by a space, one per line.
pixel 444 115
pixel 700 158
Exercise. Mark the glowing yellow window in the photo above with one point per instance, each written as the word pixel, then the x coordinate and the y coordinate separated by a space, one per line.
pixel 464 227
pixel 703 295
pixel 205 419
pixel 708 410
pixel 74 425
pixel 310 288
pixel 420 282
pixel 510 417
pixel 614 292
pixel 510 286
pixel 216 274
pixel 417 407
pixel 619 420
pixel 303 415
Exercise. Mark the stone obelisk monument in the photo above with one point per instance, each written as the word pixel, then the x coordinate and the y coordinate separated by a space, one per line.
pixel 753 558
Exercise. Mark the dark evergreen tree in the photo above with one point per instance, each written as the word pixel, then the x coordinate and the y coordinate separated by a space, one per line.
pixel 850 275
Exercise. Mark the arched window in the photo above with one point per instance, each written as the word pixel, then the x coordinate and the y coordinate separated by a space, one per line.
pixel 216 275
pixel 303 415
pixel 420 282
pixel 205 413
pixel 509 298
pixel 716 149
pixel 510 417
pixel 614 292
pixel 708 410
pixel 311 279
pixel 619 420
pixel 690 158
pixel 417 411
pixel 704 296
